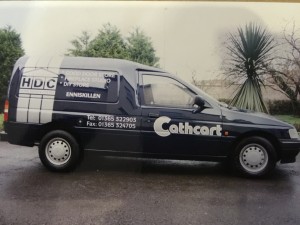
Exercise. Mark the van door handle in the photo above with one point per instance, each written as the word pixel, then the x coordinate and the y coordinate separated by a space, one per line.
pixel 153 115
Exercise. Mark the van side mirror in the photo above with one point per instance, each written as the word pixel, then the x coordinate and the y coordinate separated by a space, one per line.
pixel 198 101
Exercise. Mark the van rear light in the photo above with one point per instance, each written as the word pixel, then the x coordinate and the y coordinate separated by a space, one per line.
pixel 6 106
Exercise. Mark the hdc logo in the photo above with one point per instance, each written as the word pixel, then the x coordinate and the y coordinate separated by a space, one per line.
pixel 38 83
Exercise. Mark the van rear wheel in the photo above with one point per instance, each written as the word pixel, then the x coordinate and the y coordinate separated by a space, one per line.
pixel 254 157
pixel 59 151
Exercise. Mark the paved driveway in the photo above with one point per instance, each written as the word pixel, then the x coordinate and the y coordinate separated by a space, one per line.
pixel 131 191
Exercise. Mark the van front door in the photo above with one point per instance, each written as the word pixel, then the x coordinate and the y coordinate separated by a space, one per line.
pixel 169 124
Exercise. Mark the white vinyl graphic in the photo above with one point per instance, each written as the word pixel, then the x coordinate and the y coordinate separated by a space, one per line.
pixel 184 128
pixel 37 90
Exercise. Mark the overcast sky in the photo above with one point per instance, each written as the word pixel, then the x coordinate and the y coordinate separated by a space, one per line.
pixel 186 35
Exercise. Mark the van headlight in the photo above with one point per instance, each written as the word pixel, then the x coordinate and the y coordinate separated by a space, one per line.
pixel 293 133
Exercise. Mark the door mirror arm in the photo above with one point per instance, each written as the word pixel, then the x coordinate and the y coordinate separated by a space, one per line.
pixel 199 109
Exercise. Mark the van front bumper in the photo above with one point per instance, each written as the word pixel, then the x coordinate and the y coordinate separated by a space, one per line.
pixel 289 150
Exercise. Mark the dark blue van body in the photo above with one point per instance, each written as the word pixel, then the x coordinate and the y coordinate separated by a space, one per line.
pixel 122 108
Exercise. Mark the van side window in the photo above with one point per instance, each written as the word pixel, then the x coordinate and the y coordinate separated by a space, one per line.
pixel 70 85
pixel 165 91
pixel 88 85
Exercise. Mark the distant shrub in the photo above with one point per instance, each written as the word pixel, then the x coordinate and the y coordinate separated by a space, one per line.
pixel 283 107
pixel 225 100
pixel 277 107
pixel 2 100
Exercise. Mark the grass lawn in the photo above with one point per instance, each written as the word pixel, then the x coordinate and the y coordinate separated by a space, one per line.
pixel 288 118
pixel 294 120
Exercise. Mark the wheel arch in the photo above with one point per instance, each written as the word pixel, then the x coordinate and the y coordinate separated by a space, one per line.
pixel 258 133
pixel 58 125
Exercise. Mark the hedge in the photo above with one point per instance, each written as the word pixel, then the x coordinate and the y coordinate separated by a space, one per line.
pixel 278 107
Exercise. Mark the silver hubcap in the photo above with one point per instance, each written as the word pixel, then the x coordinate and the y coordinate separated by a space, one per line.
pixel 58 151
pixel 254 158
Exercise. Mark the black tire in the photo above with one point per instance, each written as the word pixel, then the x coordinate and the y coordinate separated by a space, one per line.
pixel 59 151
pixel 254 157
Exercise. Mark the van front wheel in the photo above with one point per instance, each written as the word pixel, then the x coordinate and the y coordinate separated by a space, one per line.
pixel 254 157
pixel 59 151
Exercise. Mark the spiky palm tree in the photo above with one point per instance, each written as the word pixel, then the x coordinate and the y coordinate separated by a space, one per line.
pixel 249 53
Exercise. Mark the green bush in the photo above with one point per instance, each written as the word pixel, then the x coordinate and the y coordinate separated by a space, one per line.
pixel 1 122
pixel 283 107
pixel 225 100
pixel 277 107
